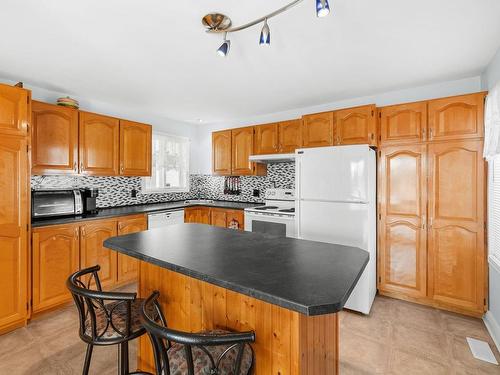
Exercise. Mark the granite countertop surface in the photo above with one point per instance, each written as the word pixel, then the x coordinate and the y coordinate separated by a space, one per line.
pixel 312 278
pixel 104 213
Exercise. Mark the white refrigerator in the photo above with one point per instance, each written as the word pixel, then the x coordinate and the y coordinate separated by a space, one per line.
pixel 336 203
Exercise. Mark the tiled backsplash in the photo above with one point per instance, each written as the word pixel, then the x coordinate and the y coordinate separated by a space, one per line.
pixel 116 191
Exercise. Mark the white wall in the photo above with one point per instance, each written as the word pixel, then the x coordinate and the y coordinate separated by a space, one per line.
pixel 492 73
pixel 159 123
pixel 468 85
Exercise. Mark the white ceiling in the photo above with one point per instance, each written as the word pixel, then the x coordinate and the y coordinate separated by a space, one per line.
pixel 154 56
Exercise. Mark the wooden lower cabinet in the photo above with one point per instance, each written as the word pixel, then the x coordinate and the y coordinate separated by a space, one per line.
pixel 199 215
pixel 128 267
pixel 224 218
pixel 55 257
pixel 92 251
pixel 218 217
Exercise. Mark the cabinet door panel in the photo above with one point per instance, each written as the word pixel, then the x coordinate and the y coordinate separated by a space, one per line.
pixel 456 237
pixel 317 130
pixel 218 218
pixel 135 149
pixel 198 215
pixel 92 251
pixel 402 195
pixel 403 123
pixel 457 117
pixel 14 110
pixel 99 145
pixel 14 213
pixel 55 257
pixel 127 266
pixel 235 219
pixel 266 139
pixel 356 126
pixel 242 147
pixel 290 136
pixel 54 139
pixel 221 152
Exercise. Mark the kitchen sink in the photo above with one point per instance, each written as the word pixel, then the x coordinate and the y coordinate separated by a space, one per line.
pixel 199 201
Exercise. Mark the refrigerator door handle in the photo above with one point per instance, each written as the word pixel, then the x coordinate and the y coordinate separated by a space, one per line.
pixel 356 201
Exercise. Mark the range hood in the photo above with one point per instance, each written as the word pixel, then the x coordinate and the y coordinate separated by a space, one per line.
pixel 272 158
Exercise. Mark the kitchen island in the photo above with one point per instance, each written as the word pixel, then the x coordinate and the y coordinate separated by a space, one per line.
pixel 287 290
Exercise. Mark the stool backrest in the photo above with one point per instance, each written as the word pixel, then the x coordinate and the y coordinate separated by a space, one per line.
pixel 98 315
pixel 162 338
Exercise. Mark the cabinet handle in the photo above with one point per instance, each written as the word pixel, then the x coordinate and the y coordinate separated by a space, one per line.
pixel 83 232
pixel 77 234
pixel 121 168
pixel 75 166
pixel 81 167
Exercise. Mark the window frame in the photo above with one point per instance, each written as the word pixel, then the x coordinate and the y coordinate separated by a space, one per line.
pixel 167 190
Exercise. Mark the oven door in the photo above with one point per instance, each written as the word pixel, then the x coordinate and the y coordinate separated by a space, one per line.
pixel 276 225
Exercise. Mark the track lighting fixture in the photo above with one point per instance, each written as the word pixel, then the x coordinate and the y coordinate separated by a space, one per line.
pixel 322 8
pixel 219 23
pixel 265 35
pixel 224 48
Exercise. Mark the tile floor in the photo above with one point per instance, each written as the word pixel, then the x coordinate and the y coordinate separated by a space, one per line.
pixel 397 338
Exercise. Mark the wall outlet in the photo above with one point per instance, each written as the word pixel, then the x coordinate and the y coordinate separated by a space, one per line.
pixel 133 193
pixel 256 193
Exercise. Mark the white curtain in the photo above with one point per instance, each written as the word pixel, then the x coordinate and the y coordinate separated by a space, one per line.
pixel 492 124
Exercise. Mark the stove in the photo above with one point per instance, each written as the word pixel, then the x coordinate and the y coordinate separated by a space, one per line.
pixel 276 217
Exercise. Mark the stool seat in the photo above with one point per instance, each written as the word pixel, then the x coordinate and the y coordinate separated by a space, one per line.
pixel 201 362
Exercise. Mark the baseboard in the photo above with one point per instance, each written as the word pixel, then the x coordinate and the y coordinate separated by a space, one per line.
pixel 493 327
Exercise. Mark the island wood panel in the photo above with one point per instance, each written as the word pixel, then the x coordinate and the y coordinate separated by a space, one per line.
pixel 404 123
pixel 287 342
pixel 99 144
pixel 317 129
pixel 128 267
pixel 266 139
pixel 54 139
pixel 56 253
pixel 356 125
pixel 14 226
pixel 290 135
pixel 457 256
pixel 402 225
pixel 457 117
pixel 221 153
pixel 135 149
pixel 14 110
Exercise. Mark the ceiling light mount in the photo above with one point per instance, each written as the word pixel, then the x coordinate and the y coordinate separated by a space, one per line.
pixel 217 23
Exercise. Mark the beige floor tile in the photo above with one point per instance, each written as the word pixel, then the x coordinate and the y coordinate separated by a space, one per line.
pixel 463 357
pixel 410 363
pixel 419 316
pixel 358 353
pixel 464 326
pixel 367 326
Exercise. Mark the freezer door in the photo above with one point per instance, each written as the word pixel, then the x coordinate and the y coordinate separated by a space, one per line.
pixel 336 174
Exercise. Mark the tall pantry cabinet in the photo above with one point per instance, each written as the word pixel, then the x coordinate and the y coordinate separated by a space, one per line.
pixel 14 206
pixel 432 203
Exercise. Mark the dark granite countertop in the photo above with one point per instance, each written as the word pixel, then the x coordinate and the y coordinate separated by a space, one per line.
pixel 137 209
pixel 313 278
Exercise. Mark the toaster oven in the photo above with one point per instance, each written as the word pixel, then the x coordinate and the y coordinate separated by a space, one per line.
pixel 56 202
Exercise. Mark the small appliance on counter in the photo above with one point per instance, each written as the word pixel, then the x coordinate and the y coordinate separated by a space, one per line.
pixel 63 202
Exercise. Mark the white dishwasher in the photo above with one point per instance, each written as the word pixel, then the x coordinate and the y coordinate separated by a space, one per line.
pixel 165 218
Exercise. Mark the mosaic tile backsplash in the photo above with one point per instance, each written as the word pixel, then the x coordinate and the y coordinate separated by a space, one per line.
pixel 116 191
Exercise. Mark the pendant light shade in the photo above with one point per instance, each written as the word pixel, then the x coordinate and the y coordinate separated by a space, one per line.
pixel 265 35
pixel 322 8
pixel 225 46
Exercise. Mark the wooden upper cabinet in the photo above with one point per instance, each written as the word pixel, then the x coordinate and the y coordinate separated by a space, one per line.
pixel 266 139
pixel 402 231
pixel 128 267
pixel 55 257
pixel 54 139
pixel 405 123
pixel 317 129
pixel 99 145
pixel 456 235
pixel 290 135
pixel 93 252
pixel 356 125
pixel 14 213
pixel 456 117
pixel 221 153
pixel 241 149
pixel 14 110
pixel 135 149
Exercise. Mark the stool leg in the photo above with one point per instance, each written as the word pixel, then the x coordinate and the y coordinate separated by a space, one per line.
pixel 123 368
pixel 88 357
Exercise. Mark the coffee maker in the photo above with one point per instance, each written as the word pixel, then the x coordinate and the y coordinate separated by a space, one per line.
pixel 89 198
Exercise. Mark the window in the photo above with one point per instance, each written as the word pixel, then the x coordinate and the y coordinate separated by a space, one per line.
pixel 170 165
pixel 494 211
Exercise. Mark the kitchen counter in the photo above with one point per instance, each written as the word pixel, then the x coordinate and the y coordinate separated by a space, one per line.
pixel 287 291
pixel 138 209
pixel 312 278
